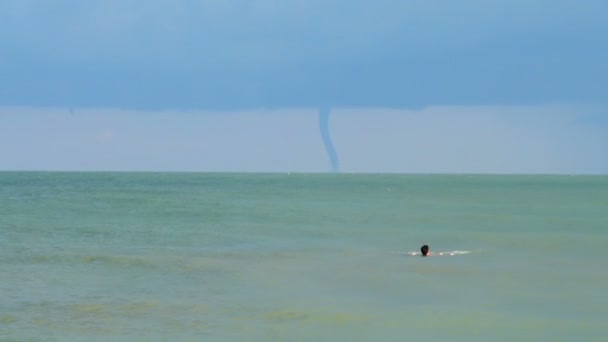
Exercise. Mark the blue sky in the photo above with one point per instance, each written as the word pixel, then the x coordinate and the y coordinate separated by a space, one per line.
pixel 247 68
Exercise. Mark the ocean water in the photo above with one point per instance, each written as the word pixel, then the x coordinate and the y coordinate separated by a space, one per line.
pixel 302 257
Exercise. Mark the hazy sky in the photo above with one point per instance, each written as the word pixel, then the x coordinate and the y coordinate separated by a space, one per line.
pixel 537 139
pixel 235 85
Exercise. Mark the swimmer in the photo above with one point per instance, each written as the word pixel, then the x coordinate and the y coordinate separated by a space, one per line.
pixel 424 250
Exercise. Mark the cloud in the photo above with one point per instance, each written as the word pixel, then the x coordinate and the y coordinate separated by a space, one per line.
pixel 266 32
pixel 105 135
pixel 252 54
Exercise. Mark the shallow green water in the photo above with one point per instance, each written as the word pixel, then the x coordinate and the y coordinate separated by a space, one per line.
pixel 276 257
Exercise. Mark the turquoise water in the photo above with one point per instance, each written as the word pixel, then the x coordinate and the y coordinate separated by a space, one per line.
pixel 301 257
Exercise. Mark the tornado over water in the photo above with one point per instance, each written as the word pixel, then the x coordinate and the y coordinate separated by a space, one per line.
pixel 329 146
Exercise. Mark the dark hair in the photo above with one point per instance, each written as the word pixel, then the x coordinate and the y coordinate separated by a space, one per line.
pixel 424 250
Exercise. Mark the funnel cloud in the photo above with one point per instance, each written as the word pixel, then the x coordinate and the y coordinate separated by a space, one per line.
pixel 329 146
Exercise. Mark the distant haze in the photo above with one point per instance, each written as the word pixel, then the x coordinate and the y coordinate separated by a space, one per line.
pixel 550 139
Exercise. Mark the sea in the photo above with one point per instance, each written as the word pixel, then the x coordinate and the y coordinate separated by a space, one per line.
pixel 302 257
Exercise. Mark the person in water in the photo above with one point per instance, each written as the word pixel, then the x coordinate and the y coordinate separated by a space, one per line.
pixel 424 250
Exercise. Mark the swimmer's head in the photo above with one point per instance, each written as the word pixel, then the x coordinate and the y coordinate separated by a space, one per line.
pixel 424 250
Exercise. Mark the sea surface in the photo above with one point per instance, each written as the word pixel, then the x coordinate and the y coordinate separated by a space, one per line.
pixel 302 257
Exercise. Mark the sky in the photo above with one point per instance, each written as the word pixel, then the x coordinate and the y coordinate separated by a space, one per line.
pixel 471 86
